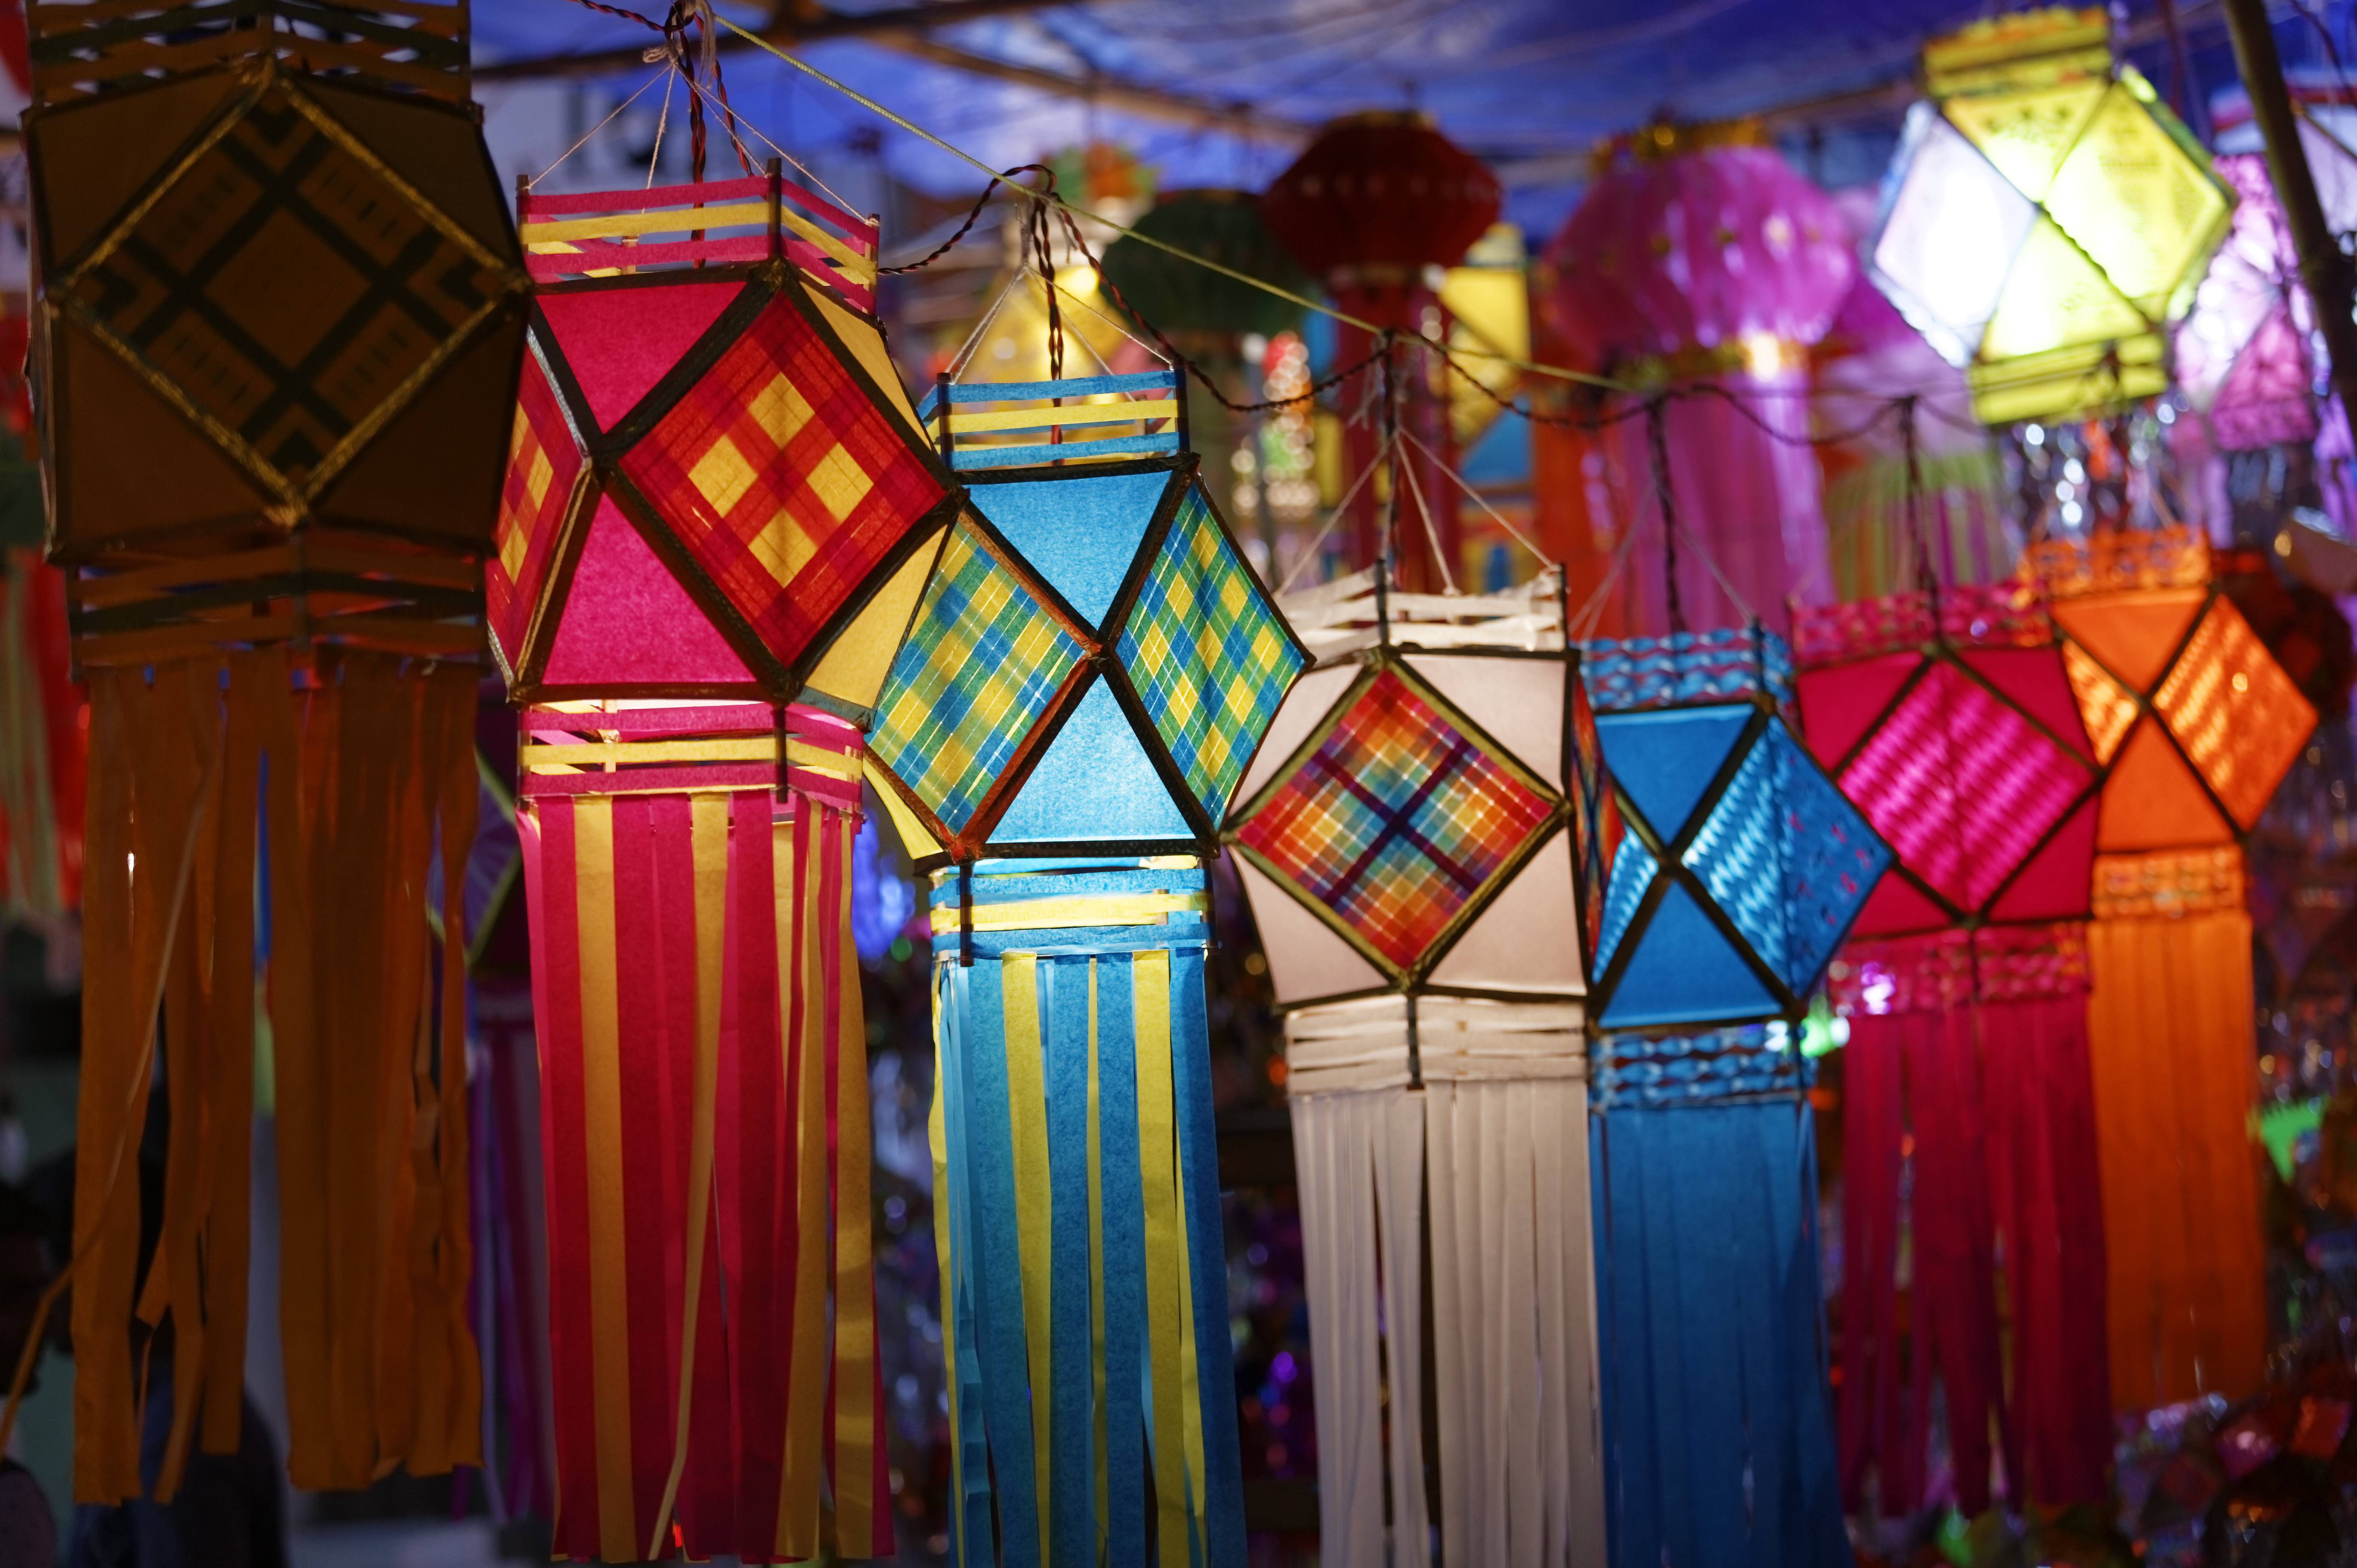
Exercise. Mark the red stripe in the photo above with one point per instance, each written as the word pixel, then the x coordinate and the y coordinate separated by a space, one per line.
pixel 760 776
pixel 556 979
pixel 753 1112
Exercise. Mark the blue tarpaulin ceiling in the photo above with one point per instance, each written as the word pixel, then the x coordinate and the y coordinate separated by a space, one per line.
pixel 1220 91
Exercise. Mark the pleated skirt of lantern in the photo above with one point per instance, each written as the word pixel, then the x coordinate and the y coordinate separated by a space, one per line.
pixel 1077 1216
pixel 705 1130
pixel 1718 1440
pixel 1969 1148
pixel 1466 1121
pixel 2171 1037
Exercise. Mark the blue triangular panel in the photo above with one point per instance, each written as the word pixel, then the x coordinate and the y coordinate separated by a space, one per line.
pixel 1632 873
pixel 1667 758
pixel 1094 783
pixel 1739 854
pixel 1079 534
pixel 1684 972
pixel 1832 860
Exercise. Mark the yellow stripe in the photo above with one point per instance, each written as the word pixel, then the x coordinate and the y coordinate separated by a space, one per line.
pixel 546 757
pixel 601 1073
pixel 1027 1104
pixel 1191 1401
pixel 1157 1158
pixel 708 841
pixel 545 235
pixel 797 955
pixel 1054 914
pixel 1096 1275
pixel 946 1259
pixel 963 422
pixel 855 1276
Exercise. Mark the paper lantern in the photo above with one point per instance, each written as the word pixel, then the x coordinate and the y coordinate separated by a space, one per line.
pixel 1732 866
pixel 1947 716
pixel 1711 1334
pixel 2045 216
pixel 720 513
pixel 2244 352
pixel 275 265
pixel 1408 841
pixel 1699 255
pixel 1222 226
pixel 1089 675
pixel 2195 724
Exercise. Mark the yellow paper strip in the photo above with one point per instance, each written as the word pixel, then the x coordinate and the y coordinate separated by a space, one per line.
pixel 963 422
pixel 1157 1158
pixel 800 969
pixel 687 220
pixel 610 1316
pixel 1096 1275
pixel 1027 1104
pixel 1054 914
pixel 855 1276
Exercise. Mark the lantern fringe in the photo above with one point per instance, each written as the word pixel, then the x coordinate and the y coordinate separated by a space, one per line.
pixel 1719 1447
pixel 704 1117
pixel 1498 1128
pixel 1084 1316
pixel 42 743
pixel 210 769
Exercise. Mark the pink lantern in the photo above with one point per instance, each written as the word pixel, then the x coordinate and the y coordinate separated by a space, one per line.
pixel 2242 354
pixel 1700 259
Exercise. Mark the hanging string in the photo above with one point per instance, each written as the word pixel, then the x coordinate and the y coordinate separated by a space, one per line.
pixel 1657 440
pixel 654 159
pixel 644 88
pixel 1333 518
pixel 1387 540
pixel 1476 496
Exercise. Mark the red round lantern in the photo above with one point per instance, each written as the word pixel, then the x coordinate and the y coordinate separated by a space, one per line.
pixel 1375 201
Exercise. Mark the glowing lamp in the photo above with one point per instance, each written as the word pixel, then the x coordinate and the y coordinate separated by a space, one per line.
pixel 1409 840
pixel 719 515
pixel 1088 676
pixel 2045 217
pixel 1732 865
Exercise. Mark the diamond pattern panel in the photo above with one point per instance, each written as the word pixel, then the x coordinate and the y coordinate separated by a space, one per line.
pixel 1397 822
pixel 2105 708
pixel 2239 717
pixel 981 668
pixel 783 479
pixel 284 289
pixel 1632 873
pixel 542 463
pixel 1962 785
pixel 1209 657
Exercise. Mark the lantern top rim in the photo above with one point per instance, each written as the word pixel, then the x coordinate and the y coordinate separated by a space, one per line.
pixel 1665 139
pixel 1377 120
pixel 2020 49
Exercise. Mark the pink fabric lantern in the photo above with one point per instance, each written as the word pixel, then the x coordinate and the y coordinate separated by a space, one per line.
pixel 2242 354
pixel 1699 259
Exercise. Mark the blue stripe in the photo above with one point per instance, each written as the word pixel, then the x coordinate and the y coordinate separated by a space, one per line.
pixel 998 1267
pixel 1071 386
pixel 1123 1192
pixel 1206 1261
pixel 1064 1037
pixel 971 1514
pixel 1017 456
pixel 1716 1236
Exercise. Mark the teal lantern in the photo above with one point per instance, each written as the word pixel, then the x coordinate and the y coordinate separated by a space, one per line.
pixel 1177 296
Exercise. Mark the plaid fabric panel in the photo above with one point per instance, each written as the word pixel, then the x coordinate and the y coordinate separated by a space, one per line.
pixel 1397 822
pixel 783 479
pixel 284 288
pixel 1207 655
pixel 979 670
pixel 543 462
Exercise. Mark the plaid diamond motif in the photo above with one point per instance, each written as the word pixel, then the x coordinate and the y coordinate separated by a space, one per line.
pixel 1397 822
pixel 1209 657
pixel 783 480
pixel 284 288
pixel 1962 785
pixel 980 669
pixel 542 463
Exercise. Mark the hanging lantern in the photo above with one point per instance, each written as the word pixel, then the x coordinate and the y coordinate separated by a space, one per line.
pixel 2045 216
pixel 1947 717
pixel 2243 352
pixel 1087 677
pixel 721 512
pixel 1375 206
pixel 1409 841
pixel 2195 725
pixel 1731 868
pixel 275 265
pixel 1699 256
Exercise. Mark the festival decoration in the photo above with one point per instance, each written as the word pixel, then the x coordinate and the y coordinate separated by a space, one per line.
pixel 1088 678
pixel 2045 216
pixel 272 261
pixel 2244 351
pixel 1730 867
pixel 721 512
pixel 2195 725
pixel 1710 1332
pixel 1408 842
pixel 1947 717
pixel 1371 206
pixel 1699 261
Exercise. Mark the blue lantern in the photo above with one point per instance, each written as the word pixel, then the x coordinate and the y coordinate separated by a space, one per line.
pixel 1087 679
